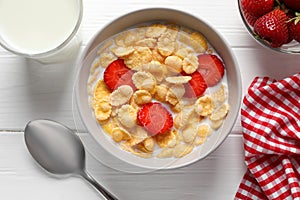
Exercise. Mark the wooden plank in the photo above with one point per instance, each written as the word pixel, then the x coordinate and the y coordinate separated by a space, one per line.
pixel 30 90
pixel 216 177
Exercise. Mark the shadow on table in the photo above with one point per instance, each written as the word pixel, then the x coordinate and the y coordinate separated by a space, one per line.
pixel 49 89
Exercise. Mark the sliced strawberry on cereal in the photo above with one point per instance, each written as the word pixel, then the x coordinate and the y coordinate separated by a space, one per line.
pixel 211 68
pixel 196 86
pixel 117 74
pixel 155 118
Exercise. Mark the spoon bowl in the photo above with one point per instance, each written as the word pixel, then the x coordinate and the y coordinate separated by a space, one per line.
pixel 66 152
pixel 59 151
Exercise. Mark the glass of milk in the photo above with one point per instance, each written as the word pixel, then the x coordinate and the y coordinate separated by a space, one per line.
pixel 43 30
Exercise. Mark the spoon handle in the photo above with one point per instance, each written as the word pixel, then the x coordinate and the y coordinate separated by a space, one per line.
pixel 100 188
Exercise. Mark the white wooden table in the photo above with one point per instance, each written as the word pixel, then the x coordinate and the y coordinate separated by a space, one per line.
pixel 30 91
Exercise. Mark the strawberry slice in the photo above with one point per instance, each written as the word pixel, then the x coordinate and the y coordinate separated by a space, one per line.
pixel 196 86
pixel 117 74
pixel 155 118
pixel 211 68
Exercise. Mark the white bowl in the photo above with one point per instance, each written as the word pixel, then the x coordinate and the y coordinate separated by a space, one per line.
pixel 182 19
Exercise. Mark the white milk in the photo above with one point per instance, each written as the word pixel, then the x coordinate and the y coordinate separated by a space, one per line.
pixel 37 26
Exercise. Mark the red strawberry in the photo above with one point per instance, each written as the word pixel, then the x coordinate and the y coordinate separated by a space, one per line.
pixel 294 27
pixel 290 25
pixel 196 86
pixel 155 118
pixel 250 19
pixel 117 74
pixel 272 28
pixel 293 4
pixel 211 68
pixel 253 9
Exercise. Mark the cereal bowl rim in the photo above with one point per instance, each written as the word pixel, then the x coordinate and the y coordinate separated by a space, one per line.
pixel 182 19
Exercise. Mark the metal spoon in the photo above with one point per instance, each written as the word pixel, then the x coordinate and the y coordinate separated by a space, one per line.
pixel 59 150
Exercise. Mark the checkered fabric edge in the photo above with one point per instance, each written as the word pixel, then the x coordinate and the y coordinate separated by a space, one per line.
pixel 271 132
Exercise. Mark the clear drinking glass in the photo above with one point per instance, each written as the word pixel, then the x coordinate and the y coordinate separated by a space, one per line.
pixel 42 30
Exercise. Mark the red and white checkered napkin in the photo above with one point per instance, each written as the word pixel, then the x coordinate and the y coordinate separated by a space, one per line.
pixel 271 131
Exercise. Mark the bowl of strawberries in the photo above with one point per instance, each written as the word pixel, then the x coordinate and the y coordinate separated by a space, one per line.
pixel 157 89
pixel 273 23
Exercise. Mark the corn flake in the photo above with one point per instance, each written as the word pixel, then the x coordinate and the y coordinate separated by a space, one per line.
pixel 121 95
pixel 122 51
pixel 147 145
pixel 127 116
pixel 166 153
pixel 140 134
pixel 216 124
pixel 200 140
pixel 128 38
pixel 201 41
pixel 193 41
pixel 119 134
pixel 141 97
pixel 147 42
pixel 182 118
pixel 155 30
pixel 109 126
pixel 178 79
pixel 161 92
pixel 129 148
pixel 220 95
pixel 182 150
pixel 167 139
pixel 139 57
pixel 171 98
pixel 178 107
pixel 156 56
pixel 175 93
pixel 190 64
pixel 166 45
pixel 156 69
pixel 204 106
pixel 203 130
pixel 144 81
pixel 101 91
pixel 189 134
pixel 105 59
pixel 102 110
pixel 174 63
pixel 219 113
pixel 184 52
pixel 172 30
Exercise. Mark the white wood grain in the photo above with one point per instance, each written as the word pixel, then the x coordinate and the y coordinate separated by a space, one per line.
pixel 29 90
pixel 216 177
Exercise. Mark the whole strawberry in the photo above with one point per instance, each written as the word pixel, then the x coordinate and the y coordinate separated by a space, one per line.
pixel 294 27
pixel 253 9
pixel 292 4
pixel 291 25
pixel 272 28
